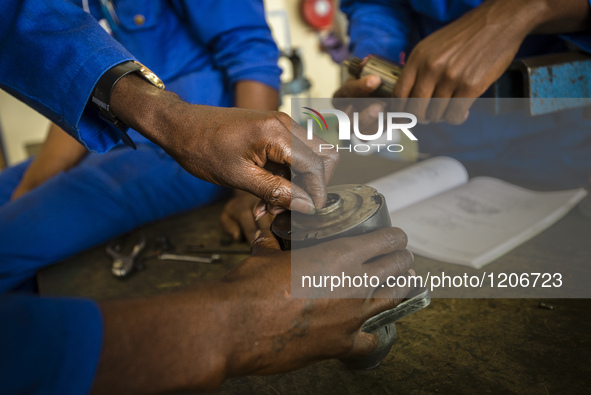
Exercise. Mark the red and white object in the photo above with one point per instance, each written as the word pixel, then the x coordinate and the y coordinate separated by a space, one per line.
pixel 318 13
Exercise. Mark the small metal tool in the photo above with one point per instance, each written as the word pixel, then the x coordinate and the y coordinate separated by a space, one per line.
pixel 123 263
pixel 166 252
pixel 189 258
pixel 217 251
pixel 546 306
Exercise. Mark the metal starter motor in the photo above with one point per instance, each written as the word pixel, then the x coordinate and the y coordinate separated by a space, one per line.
pixel 388 71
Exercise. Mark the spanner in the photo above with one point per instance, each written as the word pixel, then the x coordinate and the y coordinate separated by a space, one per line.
pixel 189 258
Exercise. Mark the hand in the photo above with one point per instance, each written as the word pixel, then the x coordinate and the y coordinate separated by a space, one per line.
pixel 238 219
pixel 59 152
pixel 464 58
pixel 360 88
pixel 248 323
pixel 280 333
pixel 230 146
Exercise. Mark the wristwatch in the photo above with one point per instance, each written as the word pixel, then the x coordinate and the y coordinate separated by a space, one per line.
pixel 101 96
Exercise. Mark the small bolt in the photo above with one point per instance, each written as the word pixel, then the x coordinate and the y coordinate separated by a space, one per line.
pixel 543 305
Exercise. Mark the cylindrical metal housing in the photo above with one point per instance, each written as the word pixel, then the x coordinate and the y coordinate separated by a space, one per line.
pixel 388 71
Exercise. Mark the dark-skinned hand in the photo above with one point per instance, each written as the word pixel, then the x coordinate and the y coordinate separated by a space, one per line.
pixel 249 322
pixel 463 59
pixel 298 331
pixel 238 219
pixel 230 146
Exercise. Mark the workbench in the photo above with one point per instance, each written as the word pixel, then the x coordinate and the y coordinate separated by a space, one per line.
pixel 454 345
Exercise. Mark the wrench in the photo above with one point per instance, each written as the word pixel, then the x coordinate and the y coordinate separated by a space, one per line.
pixel 189 258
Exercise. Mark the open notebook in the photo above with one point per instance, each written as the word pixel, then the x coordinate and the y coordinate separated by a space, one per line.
pixel 472 223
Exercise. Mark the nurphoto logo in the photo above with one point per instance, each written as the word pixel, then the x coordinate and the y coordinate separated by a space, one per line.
pixel 360 140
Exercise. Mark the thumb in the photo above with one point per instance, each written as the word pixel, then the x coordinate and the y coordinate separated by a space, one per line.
pixel 264 243
pixel 279 191
pixel 362 87
pixel 364 344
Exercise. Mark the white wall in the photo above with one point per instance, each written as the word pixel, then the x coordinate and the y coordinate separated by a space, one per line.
pixel 322 72
pixel 20 126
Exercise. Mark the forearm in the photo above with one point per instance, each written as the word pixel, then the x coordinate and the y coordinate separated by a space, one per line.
pixel 59 152
pixel 147 109
pixel 255 95
pixel 164 343
pixel 543 16
pixel 563 16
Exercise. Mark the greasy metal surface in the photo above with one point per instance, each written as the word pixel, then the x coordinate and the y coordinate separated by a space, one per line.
pixel 454 346
pixel 419 299
pixel 347 207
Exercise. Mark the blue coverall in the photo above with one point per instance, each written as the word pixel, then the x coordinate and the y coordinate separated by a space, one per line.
pixel 52 53
pixel 200 50
pixel 529 151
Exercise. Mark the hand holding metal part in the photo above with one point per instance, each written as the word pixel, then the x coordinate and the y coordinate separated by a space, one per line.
pixel 303 326
pixel 461 60
pixel 351 210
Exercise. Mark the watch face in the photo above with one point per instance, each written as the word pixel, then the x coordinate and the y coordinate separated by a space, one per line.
pixel 150 76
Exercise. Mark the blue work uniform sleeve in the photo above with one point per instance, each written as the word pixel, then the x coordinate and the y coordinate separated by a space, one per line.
pixel 53 53
pixel 238 36
pixel 49 345
pixel 582 39
pixel 379 27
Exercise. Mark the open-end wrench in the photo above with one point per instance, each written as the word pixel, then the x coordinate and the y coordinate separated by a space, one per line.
pixel 189 258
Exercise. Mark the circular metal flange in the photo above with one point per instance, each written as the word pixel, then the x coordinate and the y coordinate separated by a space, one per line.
pixel 350 210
